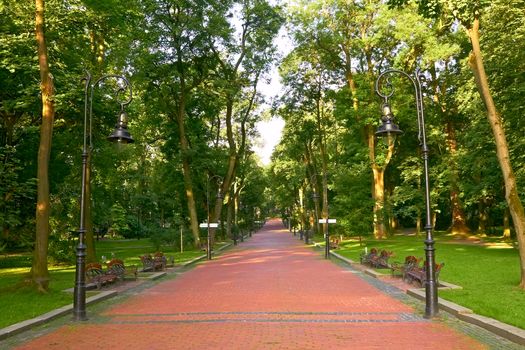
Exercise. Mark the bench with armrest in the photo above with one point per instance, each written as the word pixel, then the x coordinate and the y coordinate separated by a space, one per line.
pixel 95 276
pixel 365 258
pixel 419 273
pixel 160 259
pixel 156 262
pixel 122 271
pixel 401 268
pixel 334 243
pixel 381 261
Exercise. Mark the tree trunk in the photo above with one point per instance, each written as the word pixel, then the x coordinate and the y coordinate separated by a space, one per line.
pixel 378 184
pixel 186 170
pixel 458 225
pixel 301 209
pixel 235 152
pixel 40 273
pixel 379 202
pixel 229 216
pixel 312 173
pixel 506 224
pixel 482 216
pixel 502 150
pixel 325 214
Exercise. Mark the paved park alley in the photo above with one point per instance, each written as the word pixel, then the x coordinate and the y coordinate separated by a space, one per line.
pixel 270 292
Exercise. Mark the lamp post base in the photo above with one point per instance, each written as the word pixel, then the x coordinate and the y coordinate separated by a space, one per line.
pixel 208 248
pixel 79 294
pixel 327 247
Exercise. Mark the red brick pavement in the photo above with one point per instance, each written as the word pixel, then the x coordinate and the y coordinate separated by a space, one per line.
pixel 270 292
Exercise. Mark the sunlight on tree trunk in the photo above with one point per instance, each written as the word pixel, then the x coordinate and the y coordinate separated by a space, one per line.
pixel 40 273
pixel 458 225
pixel 186 171
pixel 379 202
pixel 506 224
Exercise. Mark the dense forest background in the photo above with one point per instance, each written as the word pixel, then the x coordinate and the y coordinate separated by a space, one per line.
pixel 196 67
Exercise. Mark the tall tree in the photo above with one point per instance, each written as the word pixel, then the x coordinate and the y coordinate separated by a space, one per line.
pixel 350 38
pixel 40 273
pixel 248 56
pixel 180 61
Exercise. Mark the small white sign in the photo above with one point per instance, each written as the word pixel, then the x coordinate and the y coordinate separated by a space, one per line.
pixel 330 221
pixel 212 225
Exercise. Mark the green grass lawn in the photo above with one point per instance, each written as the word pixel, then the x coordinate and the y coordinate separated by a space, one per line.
pixel 19 301
pixel 489 274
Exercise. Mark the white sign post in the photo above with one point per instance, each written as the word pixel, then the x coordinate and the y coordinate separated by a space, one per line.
pixel 208 225
pixel 327 235
pixel 327 221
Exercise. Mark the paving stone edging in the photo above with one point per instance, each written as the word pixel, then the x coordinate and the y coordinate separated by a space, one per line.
pixel 504 330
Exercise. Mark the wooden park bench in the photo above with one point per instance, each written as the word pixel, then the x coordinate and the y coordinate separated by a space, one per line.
pixel 419 274
pixel 380 261
pixel 401 268
pixel 157 262
pixel 365 258
pixel 97 277
pixel 123 272
pixel 334 243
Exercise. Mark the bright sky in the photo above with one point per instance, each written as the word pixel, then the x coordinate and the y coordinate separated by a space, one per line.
pixel 271 130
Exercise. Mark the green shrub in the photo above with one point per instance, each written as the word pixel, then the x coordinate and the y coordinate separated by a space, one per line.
pixel 61 250
pixel 15 261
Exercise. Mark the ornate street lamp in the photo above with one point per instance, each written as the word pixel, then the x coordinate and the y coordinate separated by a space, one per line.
pixel 121 135
pixel 219 196
pixel 388 128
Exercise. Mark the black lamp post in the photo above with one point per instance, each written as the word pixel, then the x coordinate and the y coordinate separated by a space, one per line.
pixel 121 135
pixel 219 196
pixel 327 222
pixel 388 128
pixel 315 197
pixel 327 236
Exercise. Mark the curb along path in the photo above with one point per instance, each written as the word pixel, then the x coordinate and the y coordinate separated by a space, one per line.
pixel 270 292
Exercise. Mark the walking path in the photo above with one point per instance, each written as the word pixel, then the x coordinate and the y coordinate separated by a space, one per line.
pixel 271 292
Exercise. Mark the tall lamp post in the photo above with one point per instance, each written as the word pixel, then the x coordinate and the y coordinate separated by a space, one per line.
pixel 327 236
pixel 327 221
pixel 121 135
pixel 388 128
pixel 219 196
pixel 315 197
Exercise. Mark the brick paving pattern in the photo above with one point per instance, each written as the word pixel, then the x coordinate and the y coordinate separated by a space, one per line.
pixel 271 292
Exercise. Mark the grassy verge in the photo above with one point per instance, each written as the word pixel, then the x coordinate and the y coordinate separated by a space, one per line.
pixel 19 301
pixel 488 273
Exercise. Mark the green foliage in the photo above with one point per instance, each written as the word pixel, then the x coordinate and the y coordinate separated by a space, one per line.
pixel 119 225
pixel 15 261
pixel 463 10
pixel 14 194
pixel 60 250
